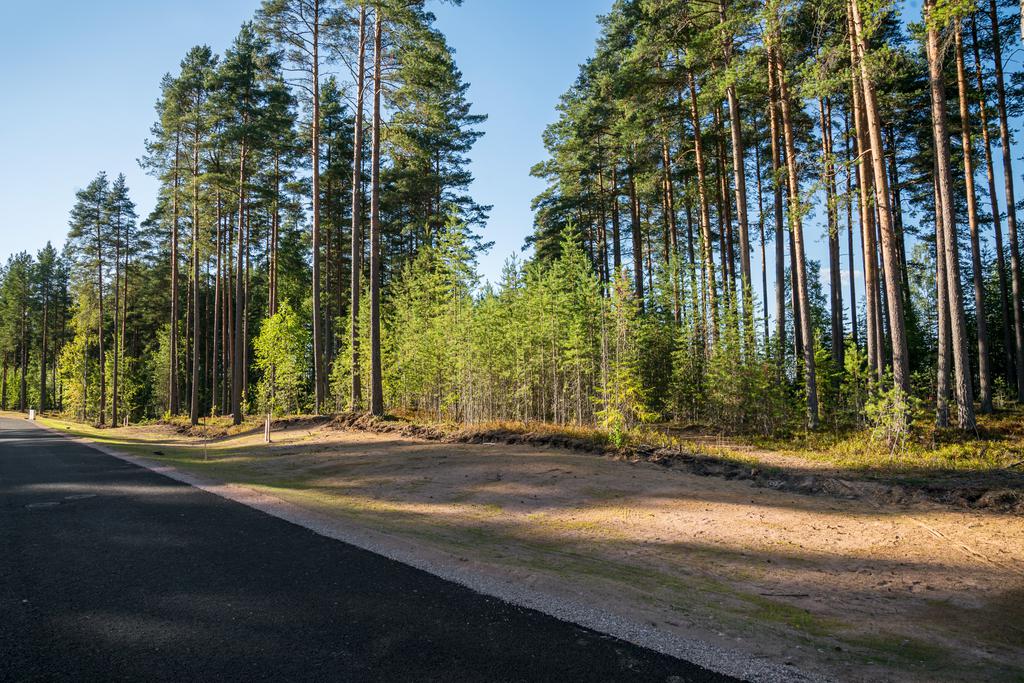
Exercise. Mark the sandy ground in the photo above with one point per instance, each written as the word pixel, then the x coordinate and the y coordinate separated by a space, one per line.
pixel 841 588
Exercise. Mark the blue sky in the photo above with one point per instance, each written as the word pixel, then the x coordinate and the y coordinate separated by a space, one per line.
pixel 80 80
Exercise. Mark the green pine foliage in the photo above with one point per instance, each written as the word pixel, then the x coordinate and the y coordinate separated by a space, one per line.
pixel 283 351
pixel 640 303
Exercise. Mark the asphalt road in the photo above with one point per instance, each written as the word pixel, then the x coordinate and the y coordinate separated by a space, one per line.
pixel 111 572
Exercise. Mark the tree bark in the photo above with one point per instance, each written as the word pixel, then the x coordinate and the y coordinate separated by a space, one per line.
pixel 1004 303
pixel 638 248
pixel 376 382
pixel 193 412
pixel 984 369
pixel 849 229
pixel 740 188
pixel 777 209
pixel 616 227
pixel 671 230
pixel 99 325
pixel 172 372
pixel 800 279
pixel 318 333
pixel 117 313
pixel 942 314
pixel 215 363
pixel 957 320
pixel 835 274
pixel 237 363
pixel 760 229
pixel 356 399
pixel 890 253
pixel 42 347
pixel 864 175
pixel 705 218
pixel 23 361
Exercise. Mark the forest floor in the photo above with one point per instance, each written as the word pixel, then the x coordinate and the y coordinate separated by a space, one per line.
pixel 848 585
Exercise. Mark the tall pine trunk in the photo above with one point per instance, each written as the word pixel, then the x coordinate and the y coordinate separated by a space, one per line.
pixel 890 250
pixel 1011 207
pixel 616 224
pixel 1004 303
pixel 777 209
pixel 215 364
pixel 193 412
pixel 760 230
pixel 864 175
pixel 23 362
pixel 42 348
pixel 318 333
pixel 984 365
pixel 356 400
pixel 237 362
pixel 957 320
pixel 796 226
pixel 173 405
pixel 740 189
pixel 707 254
pixel 638 248
pixel 99 324
pixel 855 334
pixel 376 381
pixel 117 314
pixel 835 269
pixel 942 316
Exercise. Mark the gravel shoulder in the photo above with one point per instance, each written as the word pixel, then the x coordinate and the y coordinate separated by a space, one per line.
pixel 748 580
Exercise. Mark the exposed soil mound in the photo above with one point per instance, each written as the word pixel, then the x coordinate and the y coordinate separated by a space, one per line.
pixel 998 491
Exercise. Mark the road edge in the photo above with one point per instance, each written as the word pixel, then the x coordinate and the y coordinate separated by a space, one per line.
pixel 440 564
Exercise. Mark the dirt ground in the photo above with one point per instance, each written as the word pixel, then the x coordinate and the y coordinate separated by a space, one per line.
pixel 848 589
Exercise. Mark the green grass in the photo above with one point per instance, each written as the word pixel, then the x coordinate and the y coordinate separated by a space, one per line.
pixel 998 445
pixel 897 650
pixel 794 617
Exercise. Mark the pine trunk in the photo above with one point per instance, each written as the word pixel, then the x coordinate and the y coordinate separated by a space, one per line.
pixel 215 364
pixel 708 256
pixel 872 314
pixel 99 324
pixel 193 413
pixel 890 250
pixel 172 371
pixel 984 369
pixel 638 249
pixel 942 318
pixel 1016 285
pixel 1004 303
pixel 356 399
pixel 835 269
pixel 777 214
pixel 376 383
pixel 318 333
pixel 957 320
pixel 849 229
pixel 795 219
pixel 237 369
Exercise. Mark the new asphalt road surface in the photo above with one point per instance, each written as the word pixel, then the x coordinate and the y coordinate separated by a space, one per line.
pixel 111 572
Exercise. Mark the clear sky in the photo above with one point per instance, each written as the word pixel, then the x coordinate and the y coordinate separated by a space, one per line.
pixel 80 80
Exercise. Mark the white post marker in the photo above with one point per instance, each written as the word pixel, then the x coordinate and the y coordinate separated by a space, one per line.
pixel 266 429
pixel 32 414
